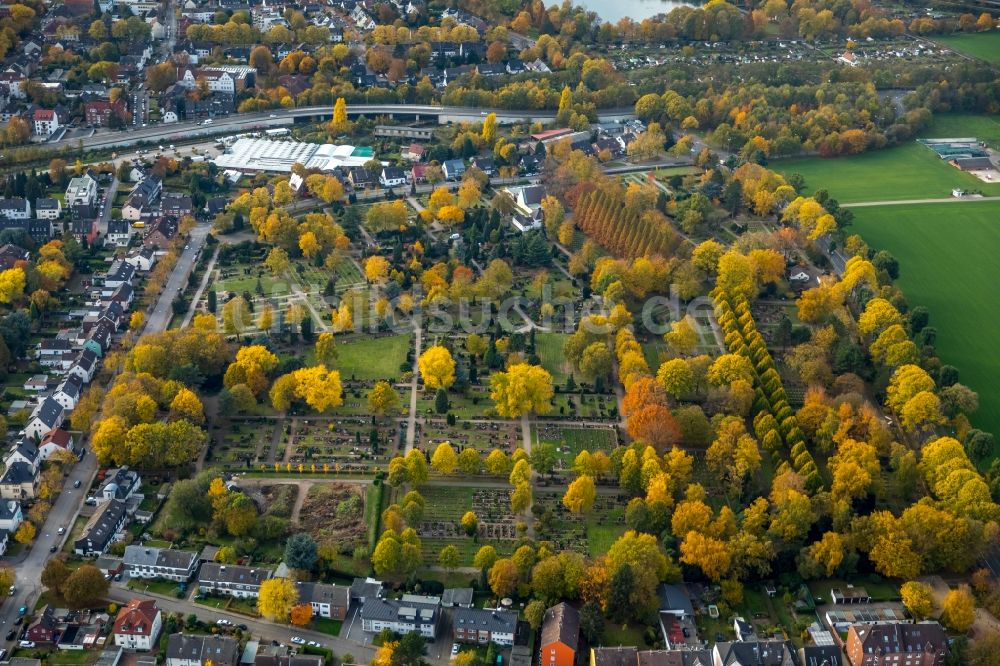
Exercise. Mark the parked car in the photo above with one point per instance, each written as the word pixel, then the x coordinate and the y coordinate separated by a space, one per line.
pixel 76 484
pixel 314 644
pixel 26 644
pixel 11 634
pixel 298 640
pixel 222 622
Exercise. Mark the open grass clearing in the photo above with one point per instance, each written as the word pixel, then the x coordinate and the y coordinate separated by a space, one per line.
pixel 905 172
pixel 371 358
pixel 959 125
pixel 549 347
pixel 947 262
pixel 982 45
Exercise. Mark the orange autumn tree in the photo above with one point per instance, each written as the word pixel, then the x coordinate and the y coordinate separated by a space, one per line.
pixel 301 614
pixel 648 417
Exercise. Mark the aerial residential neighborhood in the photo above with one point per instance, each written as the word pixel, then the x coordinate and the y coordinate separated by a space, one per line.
pixel 464 333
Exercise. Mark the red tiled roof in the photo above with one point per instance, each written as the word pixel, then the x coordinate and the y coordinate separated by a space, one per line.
pixel 136 618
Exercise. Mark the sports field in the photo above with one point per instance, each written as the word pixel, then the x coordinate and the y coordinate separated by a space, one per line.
pixel 905 172
pixel 982 45
pixel 947 262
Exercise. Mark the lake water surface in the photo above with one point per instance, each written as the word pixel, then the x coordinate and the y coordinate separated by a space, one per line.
pixel 612 10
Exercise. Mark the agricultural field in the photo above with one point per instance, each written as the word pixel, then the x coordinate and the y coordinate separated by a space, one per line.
pixel 982 45
pixel 905 172
pixel 947 263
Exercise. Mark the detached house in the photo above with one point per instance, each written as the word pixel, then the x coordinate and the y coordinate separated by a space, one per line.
pixel 121 484
pixel 49 415
pixel 84 366
pixel 330 601
pixel 25 452
pixel 453 169
pixel 392 177
pixel 119 233
pixel 137 625
pixel 18 482
pixel 55 441
pixel 47 208
pixel 11 516
pixel 46 122
pixel 69 392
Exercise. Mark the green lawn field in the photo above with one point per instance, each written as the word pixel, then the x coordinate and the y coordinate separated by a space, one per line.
pixel 549 347
pixel 373 358
pixel 982 45
pixel 947 262
pixel 957 125
pixel 910 171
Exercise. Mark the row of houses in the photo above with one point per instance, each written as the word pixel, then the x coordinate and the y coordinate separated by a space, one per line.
pixel 897 644
pixel 70 359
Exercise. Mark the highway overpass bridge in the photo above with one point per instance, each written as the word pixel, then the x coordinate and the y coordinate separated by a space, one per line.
pixel 263 120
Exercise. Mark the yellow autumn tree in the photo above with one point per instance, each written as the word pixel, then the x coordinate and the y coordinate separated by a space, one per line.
pixel 437 367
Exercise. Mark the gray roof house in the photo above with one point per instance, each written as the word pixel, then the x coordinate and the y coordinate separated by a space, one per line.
pixel 485 625
pixel 19 482
pixel 331 601
pixel 457 596
pixel 121 484
pixel 188 650
pixel 166 563
pixel 401 617
pixel 47 416
pixel 232 580
pixel 101 529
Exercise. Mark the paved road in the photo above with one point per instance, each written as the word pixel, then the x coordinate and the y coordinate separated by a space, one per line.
pixel 900 202
pixel 159 318
pixel 259 628
pixel 29 564
pixel 283 117
pixel 109 201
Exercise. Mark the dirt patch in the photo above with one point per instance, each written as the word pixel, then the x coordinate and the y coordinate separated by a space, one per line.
pixel 335 513
pixel 279 499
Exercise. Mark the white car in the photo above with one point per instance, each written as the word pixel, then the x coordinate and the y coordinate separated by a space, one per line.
pixel 298 640
pixel 26 644
pixel 222 622
pixel 61 531
pixel 314 644
pixel 454 649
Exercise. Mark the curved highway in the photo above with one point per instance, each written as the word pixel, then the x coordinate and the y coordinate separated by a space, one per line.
pixel 182 131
